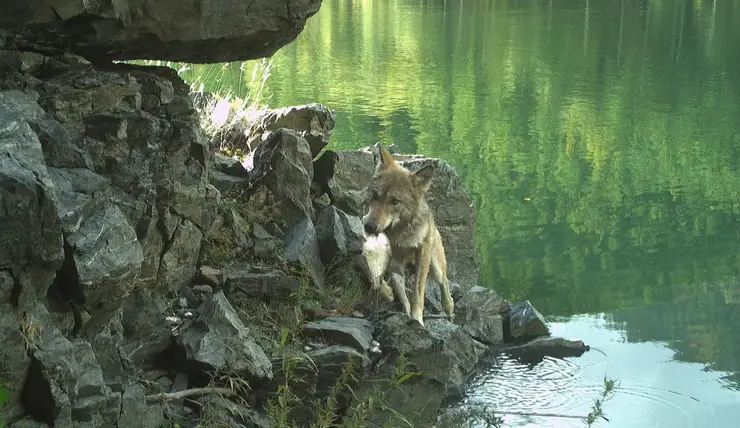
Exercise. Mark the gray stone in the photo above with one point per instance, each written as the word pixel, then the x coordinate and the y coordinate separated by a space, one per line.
pixel 65 384
pixel 195 32
pixel 302 250
pixel 258 282
pixel 525 322
pixel 440 356
pixel 210 276
pixel 479 311
pixel 314 122
pixel 345 174
pixel 145 329
pixel 178 263
pixel 535 350
pixel 218 340
pixel 283 164
pixel 30 228
pixel 135 412
pixel 339 234
pixel 225 182
pixel 229 166
pixel 107 257
pixel 354 332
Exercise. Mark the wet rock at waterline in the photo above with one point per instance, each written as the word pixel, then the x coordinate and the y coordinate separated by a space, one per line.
pixel 525 322
pixel 557 347
pixel 437 359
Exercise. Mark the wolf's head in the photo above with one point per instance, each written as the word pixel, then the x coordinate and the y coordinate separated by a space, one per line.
pixel 395 194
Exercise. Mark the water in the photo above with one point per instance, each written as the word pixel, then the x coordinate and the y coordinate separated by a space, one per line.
pixel 600 141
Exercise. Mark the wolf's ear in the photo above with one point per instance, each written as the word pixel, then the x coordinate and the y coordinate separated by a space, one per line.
pixel 423 177
pixel 385 160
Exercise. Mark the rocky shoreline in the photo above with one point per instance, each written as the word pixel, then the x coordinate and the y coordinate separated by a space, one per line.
pixel 139 265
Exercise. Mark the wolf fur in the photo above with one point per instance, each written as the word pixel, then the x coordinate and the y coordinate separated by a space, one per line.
pixel 396 206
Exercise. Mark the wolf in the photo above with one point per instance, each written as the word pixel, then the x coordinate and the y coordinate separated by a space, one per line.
pixel 395 204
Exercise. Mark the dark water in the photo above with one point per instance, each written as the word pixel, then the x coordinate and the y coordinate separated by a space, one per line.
pixel 600 141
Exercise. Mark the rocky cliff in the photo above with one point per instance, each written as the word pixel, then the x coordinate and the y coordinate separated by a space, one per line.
pixel 146 281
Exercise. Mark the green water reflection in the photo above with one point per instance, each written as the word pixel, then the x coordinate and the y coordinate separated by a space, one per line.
pixel 600 141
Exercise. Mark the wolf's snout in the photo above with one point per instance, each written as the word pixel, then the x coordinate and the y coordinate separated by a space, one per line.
pixel 371 227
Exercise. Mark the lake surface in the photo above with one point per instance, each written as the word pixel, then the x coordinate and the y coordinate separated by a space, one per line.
pixel 600 141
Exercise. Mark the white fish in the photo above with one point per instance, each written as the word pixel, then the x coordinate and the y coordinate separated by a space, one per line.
pixel 377 253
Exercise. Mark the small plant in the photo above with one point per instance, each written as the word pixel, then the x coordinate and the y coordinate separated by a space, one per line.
pixel 597 412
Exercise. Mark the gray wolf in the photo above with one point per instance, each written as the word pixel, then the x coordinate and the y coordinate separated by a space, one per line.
pixel 396 205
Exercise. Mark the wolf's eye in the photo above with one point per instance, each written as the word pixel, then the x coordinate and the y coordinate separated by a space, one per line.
pixel 395 201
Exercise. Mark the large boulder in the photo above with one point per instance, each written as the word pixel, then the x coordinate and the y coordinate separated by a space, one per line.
pixel 30 227
pixel 314 122
pixel 199 31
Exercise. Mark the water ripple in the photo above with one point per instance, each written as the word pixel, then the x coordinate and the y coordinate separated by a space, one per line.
pixel 556 386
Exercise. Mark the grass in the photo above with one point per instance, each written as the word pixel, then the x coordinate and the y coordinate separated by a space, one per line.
pixel 4 397
pixel 237 101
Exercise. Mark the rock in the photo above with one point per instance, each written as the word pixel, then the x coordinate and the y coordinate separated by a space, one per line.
pixel 107 257
pixel 65 386
pixel 302 250
pixel 197 32
pixel 258 282
pixel 220 412
pixel 178 263
pixel 225 182
pixel 438 361
pixel 30 228
pixel 339 234
pixel 218 340
pixel 145 329
pixel 479 312
pixel 203 289
pixel 354 332
pixel 314 122
pixel 230 166
pixel 135 412
pixel 525 322
pixel 283 163
pixel 211 276
pixel 535 350
pixel 345 174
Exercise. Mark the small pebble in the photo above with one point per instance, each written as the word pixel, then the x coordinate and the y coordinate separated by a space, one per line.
pixel 375 344
pixel 375 350
pixel 189 314
pixel 358 314
pixel 183 302
pixel 307 348
pixel 203 288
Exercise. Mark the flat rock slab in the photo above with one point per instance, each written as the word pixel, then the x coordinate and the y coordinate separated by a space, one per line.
pixel 354 332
